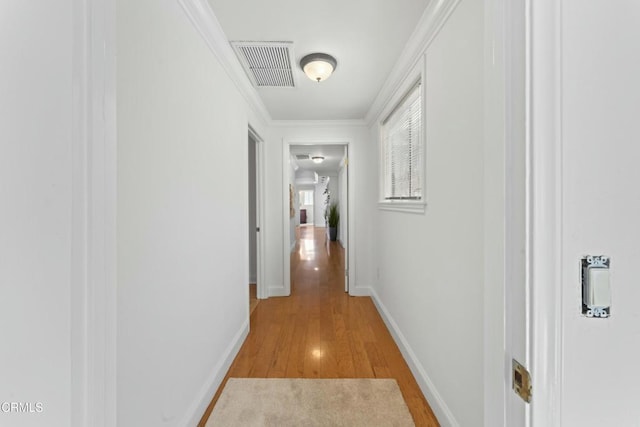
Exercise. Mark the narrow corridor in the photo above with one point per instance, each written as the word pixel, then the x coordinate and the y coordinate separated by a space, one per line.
pixel 322 332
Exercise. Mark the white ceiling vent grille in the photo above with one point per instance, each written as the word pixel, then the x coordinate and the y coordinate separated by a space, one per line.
pixel 268 64
pixel 302 156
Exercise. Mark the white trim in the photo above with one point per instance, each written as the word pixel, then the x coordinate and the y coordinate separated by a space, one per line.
pixel 430 24
pixel 318 123
pixel 205 396
pixel 286 218
pixel 438 405
pixel 277 291
pixel 544 224
pixel 504 327
pixel 205 22
pixel 501 406
pixel 94 183
pixel 397 206
pixel 363 291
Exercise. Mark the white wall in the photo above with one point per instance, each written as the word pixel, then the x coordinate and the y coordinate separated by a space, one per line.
pixel 431 266
pixel 36 216
pixel 363 162
pixel 601 207
pixel 182 217
pixel 318 200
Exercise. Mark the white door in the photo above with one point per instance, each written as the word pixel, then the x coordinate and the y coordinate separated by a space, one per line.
pixel 516 253
pixel 257 212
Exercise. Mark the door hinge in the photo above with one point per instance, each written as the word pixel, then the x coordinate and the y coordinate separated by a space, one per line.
pixel 521 381
pixel 346 273
pixel 257 229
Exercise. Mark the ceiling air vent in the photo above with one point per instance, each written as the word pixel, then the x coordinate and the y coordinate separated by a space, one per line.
pixel 268 64
pixel 302 156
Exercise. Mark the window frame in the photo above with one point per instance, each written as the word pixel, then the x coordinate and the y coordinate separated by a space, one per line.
pixel 304 198
pixel 416 77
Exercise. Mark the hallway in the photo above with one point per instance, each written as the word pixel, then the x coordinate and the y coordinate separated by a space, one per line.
pixel 322 332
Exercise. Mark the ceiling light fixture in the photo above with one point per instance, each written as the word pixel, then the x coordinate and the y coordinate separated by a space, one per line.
pixel 318 66
pixel 317 159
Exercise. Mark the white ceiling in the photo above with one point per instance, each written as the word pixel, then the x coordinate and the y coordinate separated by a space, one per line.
pixel 332 154
pixel 365 36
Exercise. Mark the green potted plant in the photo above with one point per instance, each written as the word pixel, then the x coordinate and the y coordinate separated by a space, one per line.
pixel 333 218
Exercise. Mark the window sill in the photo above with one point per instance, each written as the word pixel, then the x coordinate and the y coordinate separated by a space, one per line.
pixel 403 206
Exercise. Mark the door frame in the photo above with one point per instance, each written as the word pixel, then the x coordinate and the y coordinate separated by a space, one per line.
pixel 93 310
pixel 349 254
pixel 522 53
pixel 543 117
pixel 544 197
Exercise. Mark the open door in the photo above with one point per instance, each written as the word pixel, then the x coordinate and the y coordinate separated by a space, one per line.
pixel 256 213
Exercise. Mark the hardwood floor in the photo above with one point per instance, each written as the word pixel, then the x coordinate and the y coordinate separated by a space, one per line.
pixel 253 299
pixel 322 332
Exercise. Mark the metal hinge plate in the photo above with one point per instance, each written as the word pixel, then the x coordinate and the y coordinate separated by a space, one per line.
pixel 521 381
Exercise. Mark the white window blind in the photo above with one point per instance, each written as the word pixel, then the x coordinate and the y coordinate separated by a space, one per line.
pixel 402 149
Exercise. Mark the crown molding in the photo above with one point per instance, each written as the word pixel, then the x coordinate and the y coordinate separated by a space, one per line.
pixel 430 24
pixel 319 123
pixel 205 22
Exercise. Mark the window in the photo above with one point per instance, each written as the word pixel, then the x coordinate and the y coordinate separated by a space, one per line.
pixel 402 151
pixel 306 197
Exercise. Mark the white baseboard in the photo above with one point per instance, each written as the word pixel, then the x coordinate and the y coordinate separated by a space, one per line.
pixel 197 409
pixel 441 410
pixel 355 291
pixel 277 291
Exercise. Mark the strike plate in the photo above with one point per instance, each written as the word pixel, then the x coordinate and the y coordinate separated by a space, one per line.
pixel 521 381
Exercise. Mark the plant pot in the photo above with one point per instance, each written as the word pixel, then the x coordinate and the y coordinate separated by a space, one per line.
pixel 333 233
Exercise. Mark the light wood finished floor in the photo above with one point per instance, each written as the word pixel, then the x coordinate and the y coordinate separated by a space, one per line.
pixel 322 332
pixel 253 299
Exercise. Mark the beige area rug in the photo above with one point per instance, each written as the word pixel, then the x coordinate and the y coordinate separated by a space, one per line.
pixel 310 402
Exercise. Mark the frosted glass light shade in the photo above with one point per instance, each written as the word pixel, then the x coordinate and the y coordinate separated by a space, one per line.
pixel 317 159
pixel 318 66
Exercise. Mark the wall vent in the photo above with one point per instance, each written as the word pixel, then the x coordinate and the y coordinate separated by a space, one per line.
pixel 302 156
pixel 268 64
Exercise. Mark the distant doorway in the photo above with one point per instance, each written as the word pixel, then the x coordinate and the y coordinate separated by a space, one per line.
pixel 318 176
pixel 306 207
